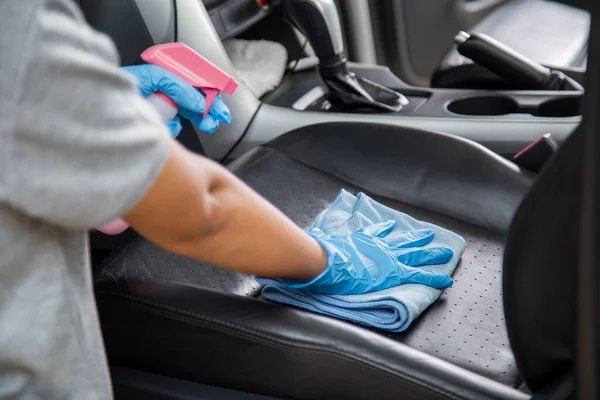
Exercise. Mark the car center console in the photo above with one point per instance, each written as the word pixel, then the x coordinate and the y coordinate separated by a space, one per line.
pixel 305 91
pixel 503 121
pixel 337 90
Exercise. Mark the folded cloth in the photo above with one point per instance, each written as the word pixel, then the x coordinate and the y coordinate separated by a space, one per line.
pixel 392 309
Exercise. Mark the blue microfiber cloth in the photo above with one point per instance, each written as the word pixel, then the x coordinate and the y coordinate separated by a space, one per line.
pixel 392 309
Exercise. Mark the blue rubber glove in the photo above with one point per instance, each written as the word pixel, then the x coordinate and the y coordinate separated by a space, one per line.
pixel 372 259
pixel 191 101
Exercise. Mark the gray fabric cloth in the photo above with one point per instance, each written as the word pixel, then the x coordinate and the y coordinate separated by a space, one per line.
pixel 260 64
pixel 78 147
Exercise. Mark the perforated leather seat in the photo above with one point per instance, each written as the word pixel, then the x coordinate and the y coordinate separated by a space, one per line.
pixel 229 337
pixel 465 327
pixel 548 32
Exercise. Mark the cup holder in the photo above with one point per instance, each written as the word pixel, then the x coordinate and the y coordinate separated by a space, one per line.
pixel 484 105
pixel 560 108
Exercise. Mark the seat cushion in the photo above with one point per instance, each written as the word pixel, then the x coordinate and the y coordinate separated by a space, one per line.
pixel 465 327
pixel 548 32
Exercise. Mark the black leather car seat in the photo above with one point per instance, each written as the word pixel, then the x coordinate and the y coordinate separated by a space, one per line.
pixel 548 32
pixel 172 316
pixel 227 336
pixel 429 176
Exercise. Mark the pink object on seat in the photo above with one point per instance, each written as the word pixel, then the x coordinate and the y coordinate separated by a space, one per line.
pixel 190 66
pixel 114 227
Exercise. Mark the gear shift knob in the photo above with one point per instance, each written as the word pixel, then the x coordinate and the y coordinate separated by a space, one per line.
pixel 319 21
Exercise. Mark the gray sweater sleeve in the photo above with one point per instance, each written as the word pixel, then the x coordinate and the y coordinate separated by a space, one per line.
pixel 81 146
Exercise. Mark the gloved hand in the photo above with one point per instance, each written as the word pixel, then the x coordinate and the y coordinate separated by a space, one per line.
pixel 152 78
pixel 371 259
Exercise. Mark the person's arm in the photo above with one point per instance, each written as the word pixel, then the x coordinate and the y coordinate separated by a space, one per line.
pixel 198 209
pixel 84 147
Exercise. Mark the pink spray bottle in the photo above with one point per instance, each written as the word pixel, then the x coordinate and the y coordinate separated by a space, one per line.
pixel 194 69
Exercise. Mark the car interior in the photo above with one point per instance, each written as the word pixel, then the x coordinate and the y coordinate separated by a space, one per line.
pixel 463 113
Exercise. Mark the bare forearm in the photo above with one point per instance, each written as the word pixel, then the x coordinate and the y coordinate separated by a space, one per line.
pixel 225 223
pixel 253 236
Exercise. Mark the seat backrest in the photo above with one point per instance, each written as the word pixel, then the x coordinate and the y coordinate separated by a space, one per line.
pixel 540 269
pixel 133 30
pixel 126 24
pixel 134 25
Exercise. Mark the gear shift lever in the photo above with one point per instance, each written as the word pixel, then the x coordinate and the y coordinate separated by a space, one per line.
pixel 319 22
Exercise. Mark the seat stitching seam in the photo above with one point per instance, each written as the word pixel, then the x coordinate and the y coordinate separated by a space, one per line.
pixel 220 325
pixel 364 365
